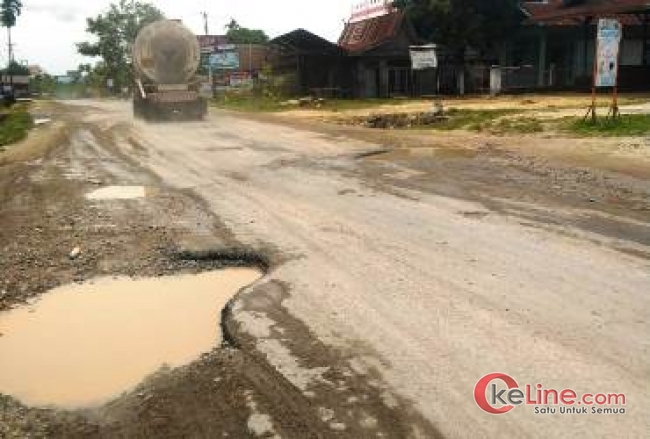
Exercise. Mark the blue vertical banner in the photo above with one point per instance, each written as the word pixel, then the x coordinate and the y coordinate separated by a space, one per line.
pixel 610 34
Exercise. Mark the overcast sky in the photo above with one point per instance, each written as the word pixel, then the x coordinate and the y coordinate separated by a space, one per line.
pixel 47 30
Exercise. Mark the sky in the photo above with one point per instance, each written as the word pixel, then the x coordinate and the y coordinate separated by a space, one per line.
pixel 47 30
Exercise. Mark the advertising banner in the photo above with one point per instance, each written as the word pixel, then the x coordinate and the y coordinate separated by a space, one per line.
pixel 241 80
pixel 224 60
pixel 64 79
pixel 610 33
pixel 367 9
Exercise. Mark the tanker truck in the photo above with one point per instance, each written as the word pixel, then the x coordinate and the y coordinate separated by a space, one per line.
pixel 166 56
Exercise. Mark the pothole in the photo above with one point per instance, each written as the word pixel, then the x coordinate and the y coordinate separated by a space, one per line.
pixel 82 345
pixel 424 153
pixel 118 193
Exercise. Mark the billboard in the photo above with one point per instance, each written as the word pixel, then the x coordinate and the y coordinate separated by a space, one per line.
pixel 64 79
pixel 367 9
pixel 224 60
pixel 610 33
pixel 209 43
pixel 241 79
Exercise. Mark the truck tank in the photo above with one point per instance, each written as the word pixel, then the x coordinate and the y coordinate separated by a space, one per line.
pixel 166 56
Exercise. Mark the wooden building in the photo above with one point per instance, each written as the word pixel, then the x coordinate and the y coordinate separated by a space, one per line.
pixel 309 65
pixel 378 54
pixel 559 42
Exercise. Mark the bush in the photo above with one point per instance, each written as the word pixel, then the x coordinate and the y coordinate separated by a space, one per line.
pixel 14 126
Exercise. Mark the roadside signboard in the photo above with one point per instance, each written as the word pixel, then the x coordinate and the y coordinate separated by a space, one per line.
pixel 241 79
pixel 209 43
pixel 367 9
pixel 424 57
pixel 64 79
pixel 610 33
pixel 224 60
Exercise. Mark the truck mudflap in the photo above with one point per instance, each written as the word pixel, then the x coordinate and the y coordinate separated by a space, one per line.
pixel 171 107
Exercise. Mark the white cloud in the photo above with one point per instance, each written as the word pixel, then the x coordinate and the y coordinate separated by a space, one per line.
pixel 48 29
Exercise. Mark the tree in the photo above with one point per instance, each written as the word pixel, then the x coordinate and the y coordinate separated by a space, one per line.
pixel 116 31
pixel 241 35
pixel 461 24
pixel 15 69
pixel 9 12
pixel 458 25
pixel 96 77
pixel 43 83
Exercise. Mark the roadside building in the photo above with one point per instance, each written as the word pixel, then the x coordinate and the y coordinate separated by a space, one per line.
pixel 230 65
pixel 249 60
pixel 372 58
pixel 553 49
pixel 35 70
pixel 16 84
pixel 305 64
pixel 558 43
pixel 377 41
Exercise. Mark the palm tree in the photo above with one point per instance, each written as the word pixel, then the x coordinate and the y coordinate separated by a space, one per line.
pixel 9 12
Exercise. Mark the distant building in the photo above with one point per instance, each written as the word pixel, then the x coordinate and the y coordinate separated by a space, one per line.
pixel 306 64
pixel 231 65
pixel 559 42
pixel 18 84
pixel 554 48
pixel 371 58
pixel 35 70
pixel 377 40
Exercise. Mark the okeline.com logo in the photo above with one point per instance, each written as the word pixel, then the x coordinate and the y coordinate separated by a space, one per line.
pixel 499 393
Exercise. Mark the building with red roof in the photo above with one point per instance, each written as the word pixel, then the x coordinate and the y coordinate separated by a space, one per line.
pixel 377 40
pixel 555 48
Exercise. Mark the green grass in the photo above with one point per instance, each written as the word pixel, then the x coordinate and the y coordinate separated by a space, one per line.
pixel 493 121
pixel 14 125
pixel 523 125
pixel 247 103
pixel 626 125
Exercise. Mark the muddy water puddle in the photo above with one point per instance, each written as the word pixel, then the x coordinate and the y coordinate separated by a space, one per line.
pixel 426 153
pixel 118 193
pixel 82 345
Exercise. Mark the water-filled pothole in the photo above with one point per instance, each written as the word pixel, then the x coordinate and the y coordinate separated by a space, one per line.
pixel 82 345
pixel 118 193
pixel 424 153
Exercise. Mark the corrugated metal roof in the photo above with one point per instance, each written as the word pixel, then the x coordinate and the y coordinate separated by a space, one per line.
pixel 556 12
pixel 368 34
pixel 303 41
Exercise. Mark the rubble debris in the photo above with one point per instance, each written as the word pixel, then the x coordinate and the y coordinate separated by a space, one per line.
pixel 304 102
pixel 75 253
pixel 399 120
pixel 42 121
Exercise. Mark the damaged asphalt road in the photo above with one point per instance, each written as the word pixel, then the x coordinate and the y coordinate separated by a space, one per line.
pixel 392 285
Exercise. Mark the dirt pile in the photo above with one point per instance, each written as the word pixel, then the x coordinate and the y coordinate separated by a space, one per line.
pixel 396 120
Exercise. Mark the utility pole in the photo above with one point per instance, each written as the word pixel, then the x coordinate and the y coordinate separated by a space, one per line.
pixel 11 60
pixel 205 22
pixel 206 28
pixel 10 48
